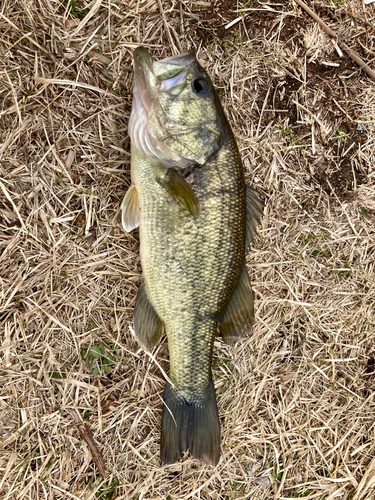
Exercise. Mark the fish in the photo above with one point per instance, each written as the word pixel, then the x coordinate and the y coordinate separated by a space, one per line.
pixel 196 218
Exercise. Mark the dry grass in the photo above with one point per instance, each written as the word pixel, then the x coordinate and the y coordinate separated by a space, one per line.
pixel 296 399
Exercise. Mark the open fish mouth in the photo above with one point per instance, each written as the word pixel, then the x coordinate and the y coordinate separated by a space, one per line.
pixel 150 78
pixel 168 74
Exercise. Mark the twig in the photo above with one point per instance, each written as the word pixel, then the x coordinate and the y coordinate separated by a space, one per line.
pixel 342 80
pixel 353 55
pixel 57 81
pixel 88 437
pixel 261 113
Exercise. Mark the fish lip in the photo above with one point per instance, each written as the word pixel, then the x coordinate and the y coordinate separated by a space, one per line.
pixel 142 59
pixel 144 78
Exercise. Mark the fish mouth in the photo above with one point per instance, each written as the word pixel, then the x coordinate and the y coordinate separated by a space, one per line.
pixel 169 74
pixel 173 68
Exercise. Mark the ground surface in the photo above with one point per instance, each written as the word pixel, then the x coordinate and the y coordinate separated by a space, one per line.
pixel 296 399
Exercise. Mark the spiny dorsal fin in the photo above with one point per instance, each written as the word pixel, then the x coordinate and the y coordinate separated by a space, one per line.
pixel 148 327
pixel 180 189
pixel 129 213
pixel 239 315
pixel 254 212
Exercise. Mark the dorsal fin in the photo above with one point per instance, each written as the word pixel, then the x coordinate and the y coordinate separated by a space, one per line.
pixel 254 212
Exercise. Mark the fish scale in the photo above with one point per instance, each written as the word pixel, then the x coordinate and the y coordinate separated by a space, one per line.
pixel 173 265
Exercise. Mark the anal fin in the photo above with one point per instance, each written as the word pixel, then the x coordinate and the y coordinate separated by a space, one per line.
pixel 239 314
pixel 176 186
pixel 128 215
pixel 254 212
pixel 148 327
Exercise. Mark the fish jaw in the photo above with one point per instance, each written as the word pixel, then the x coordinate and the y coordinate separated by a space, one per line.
pixel 143 114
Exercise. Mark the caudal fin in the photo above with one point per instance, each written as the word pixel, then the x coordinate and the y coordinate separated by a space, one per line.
pixel 190 426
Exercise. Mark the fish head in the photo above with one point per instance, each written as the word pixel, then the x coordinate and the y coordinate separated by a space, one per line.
pixel 175 117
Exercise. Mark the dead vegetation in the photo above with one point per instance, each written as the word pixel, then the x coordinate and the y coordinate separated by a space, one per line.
pixel 296 399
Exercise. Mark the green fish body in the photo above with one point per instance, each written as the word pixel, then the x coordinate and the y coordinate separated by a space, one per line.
pixel 196 217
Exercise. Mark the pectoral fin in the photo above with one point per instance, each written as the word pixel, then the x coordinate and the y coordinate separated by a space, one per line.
pixel 239 315
pixel 128 215
pixel 180 189
pixel 254 212
pixel 148 327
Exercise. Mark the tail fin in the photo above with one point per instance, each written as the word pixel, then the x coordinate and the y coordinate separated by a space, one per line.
pixel 190 426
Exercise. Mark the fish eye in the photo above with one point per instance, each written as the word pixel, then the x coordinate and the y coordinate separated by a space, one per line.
pixel 200 86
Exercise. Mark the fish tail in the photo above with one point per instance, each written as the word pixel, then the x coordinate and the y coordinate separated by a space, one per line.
pixel 190 426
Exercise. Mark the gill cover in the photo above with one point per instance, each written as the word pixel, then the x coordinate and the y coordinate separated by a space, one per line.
pixel 174 118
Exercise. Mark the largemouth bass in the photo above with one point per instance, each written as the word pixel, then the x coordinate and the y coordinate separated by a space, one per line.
pixel 196 217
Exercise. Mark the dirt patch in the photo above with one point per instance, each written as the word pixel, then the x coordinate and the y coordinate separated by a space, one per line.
pixel 343 180
pixel 370 368
pixel 208 23
pixel 257 22
pixel 319 72
pixel 291 30
pixel 283 91
pixel 346 176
